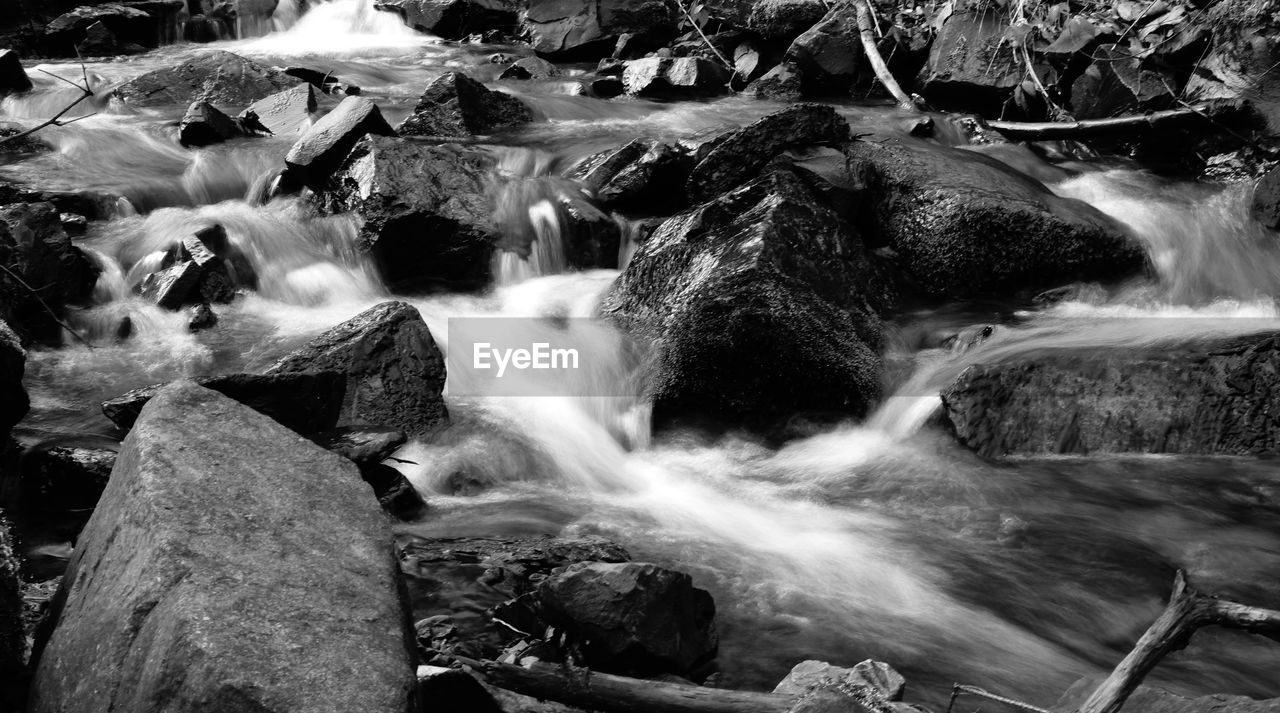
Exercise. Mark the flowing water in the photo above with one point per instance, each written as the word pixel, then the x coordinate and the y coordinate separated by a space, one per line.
pixel 882 539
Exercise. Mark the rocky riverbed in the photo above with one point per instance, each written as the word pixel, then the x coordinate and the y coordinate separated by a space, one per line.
pixel 868 398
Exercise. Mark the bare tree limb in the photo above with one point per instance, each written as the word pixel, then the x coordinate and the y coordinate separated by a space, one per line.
pixel 86 92
pixel 866 30
pixel 1081 128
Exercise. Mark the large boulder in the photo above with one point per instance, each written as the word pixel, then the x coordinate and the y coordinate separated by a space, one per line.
pixel 755 306
pixel 590 28
pixel 40 255
pixel 305 403
pixel 395 372
pixel 326 144
pixel 641 176
pixel 829 54
pixel 454 19
pixel 13 639
pixel 221 78
pixel 457 105
pixel 674 77
pixel 114 27
pixel 633 617
pixel 784 20
pixel 13 78
pixel 965 224
pixel 13 364
pixel 230 565
pixel 425 213
pixel 1266 200
pixel 973 63
pixel 1220 397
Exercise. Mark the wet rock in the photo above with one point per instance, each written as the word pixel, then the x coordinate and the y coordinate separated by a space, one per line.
pixel 973 64
pixel 754 305
pixel 638 177
pixel 591 28
pixel 13 78
pixel 13 365
pixel 238 18
pixel 220 78
pixel 29 144
pixel 785 19
pixel 395 372
pixel 422 234
pixel 670 78
pixel 66 478
pixel 110 27
pixel 1149 699
pixel 632 617
pixel 304 402
pixel 450 689
pixel 1266 200
pixel 74 224
pixel 326 82
pixel 732 158
pixel 607 87
pixel 174 286
pixel 963 224
pixel 204 124
pixel 781 84
pixel 457 105
pixel 1117 84
pixel 829 54
pixel 395 493
pixel 236 601
pixel 454 19
pixel 1214 398
pixel 530 68
pixel 13 641
pixel 879 679
pixel 286 113
pixel 324 146
pixel 201 317
pixel 37 250
pixel 363 445
pixel 513 566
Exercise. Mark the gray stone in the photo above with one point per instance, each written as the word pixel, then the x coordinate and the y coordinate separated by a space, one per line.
pixel 230 565
pixel 174 286
pixel 220 78
pixel 13 78
pixel 204 124
pixel 591 28
pixel 530 68
pixel 882 681
pixel 39 252
pixel 326 144
pixel 642 176
pixel 829 54
pixel 674 77
pixel 781 84
pixel 456 105
pixel 784 19
pixel 973 64
pixel 286 113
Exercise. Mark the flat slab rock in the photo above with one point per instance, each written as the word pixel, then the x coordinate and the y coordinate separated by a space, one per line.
pixel 231 565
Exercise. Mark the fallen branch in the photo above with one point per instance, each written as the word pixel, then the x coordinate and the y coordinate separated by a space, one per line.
pixel 1188 611
pixel 733 70
pixel 1081 128
pixel 866 30
pixel 603 692
pixel 86 91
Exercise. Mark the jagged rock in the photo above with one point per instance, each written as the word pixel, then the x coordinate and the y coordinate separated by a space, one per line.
pixel 632 617
pixel 733 157
pixel 220 78
pixel 607 87
pixel 1266 200
pixel 784 20
pixel 13 640
pixel 591 28
pixel 204 124
pixel 1117 84
pixel 781 84
pixel 755 306
pixel 13 78
pixel 454 19
pixel 973 64
pixel 304 402
pixel 285 113
pixel 13 365
pixel 829 54
pixel 457 105
pixel 201 317
pixel 879 678
pixel 425 213
pixel 965 224
pixel 34 246
pixel 1149 699
pixel 1220 397
pixel 674 77
pixel 66 478
pixel 395 372
pixel 395 493
pixel 230 565
pixel 324 146
pixel 363 445
pixel 530 68
pixel 641 176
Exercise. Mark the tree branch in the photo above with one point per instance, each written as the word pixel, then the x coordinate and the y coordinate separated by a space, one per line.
pixel 866 30
pixel 1047 130
pixel 86 92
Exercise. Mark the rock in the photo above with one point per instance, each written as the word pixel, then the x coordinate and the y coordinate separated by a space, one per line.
pixel 230 565
pixel 1266 200
pixel 74 223
pixel 607 87
pixel 454 19
pixel 1215 398
pixel 306 403
pixel 965 224
pixel 13 640
pixel 34 246
pixel 100 41
pixel 754 305
pixel 13 78
pixel 326 82
pixel 784 20
pixel 732 158
pixel 395 493
pixel 363 445
pixel 29 144
pixel 530 68
pixel 588 237
pixel 1149 699
pixel 829 54
pixel 512 566
pixel 326 144
pixel 589 29
pixel 670 78
pixel 883 683
pixel 450 689
pixel 972 64
pixel 395 373
pixel 174 286
pixel 66 478
pixel 239 18
pixel 1117 84
pixel 202 317
pixel 13 365
pixel 632 617
pixel 422 234
pixel 286 113
pixel 220 78
pixel 638 177
pixel 780 84
pixel 457 105
pixel 110 27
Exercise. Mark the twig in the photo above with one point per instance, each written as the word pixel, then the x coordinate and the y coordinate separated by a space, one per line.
pixel 960 688
pixel 733 69
pixel 36 294
pixel 1048 130
pixel 867 34
pixel 87 91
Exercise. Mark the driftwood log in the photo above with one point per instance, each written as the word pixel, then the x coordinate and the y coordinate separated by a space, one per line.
pixel 866 30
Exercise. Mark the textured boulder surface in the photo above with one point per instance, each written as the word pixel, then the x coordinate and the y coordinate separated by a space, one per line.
pixel 874 676
pixel 285 113
pixel 326 144
pixel 34 246
pixel 637 177
pixel 973 64
pixel 221 78
pixel 395 372
pixel 231 565
pixel 305 403
pixel 457 105
pixel 1266 200
pixel 13 78
pixel 13 640
pixel 205 124
pixel 633 617
pixel 1218 398
pixel 965 224
pixel 755 307
pixel 674 77
pixel 785 19
pixel 829 54
pixel 782 83
pixel 530 68
pixel 13 365
pixel 583 28
pixel 425 211
pixel 454 19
